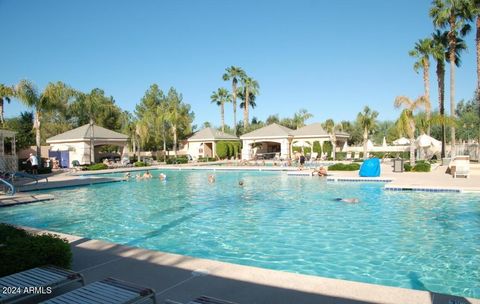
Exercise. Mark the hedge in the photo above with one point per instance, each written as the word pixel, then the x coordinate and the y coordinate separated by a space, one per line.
pixel 222 149
pixel 205 159
pixel 422 166
pixel 22 250
pixel 140 164
pixel 317 148
pixel 100 166
pixel 344 167
pixel 341 155
pixel 327 148
pixel 177 160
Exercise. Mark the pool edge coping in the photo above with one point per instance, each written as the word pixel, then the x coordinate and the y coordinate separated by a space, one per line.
pixel 353 290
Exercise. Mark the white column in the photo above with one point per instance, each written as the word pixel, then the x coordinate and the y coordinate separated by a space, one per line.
pixel 246 149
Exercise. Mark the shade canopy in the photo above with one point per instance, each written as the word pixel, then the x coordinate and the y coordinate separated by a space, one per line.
pixel 425 141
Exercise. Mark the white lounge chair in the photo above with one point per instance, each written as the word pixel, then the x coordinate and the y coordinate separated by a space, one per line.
pixel 41 277
pixel 460 166
pixel 108 290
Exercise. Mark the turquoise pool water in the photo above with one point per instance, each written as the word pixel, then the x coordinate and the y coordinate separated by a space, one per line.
pixel 426 241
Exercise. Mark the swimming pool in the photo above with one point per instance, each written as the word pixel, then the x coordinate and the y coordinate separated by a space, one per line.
pixel 426 241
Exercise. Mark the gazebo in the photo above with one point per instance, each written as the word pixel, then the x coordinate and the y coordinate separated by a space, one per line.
pixel 267 142
pixel 82 144
pixel 315 132
pixel 203 142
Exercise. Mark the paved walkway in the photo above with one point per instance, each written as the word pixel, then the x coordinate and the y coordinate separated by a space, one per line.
pixel 183 278
pixel 22 198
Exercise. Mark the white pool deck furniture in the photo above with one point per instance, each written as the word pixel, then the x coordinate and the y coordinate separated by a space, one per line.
pixel 106 291
pixel 18 285
pixel 460 166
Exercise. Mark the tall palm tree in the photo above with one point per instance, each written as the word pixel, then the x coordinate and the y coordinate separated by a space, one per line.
pixel 235 74
pixel 330 128
pixel 422 51
pixel 220 97
pixel 367 120
pixel 129 128
pixel 407 119
pixel 440 52
pixel 300 117
pixel 452 14
pixel 249 87
pixel 54 96
pixel 6 93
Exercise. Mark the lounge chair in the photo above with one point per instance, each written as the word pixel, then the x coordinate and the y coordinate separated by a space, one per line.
pixel 40 277
pixel 460 166
pixel 202 300
pixel 108 290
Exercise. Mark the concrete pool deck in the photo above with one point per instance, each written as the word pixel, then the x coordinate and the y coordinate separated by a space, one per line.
pixel 184 278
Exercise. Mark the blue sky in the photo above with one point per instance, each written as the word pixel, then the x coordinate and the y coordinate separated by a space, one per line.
pixel 330 57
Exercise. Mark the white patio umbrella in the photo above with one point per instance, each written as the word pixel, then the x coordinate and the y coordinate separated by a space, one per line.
pixel 345 146
pixel 401 141
pixel 301 143
pixel 425 141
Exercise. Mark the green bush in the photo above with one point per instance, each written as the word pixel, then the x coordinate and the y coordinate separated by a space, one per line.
pixel 222 149
pixel 205 159
pixel 344 167
pixel 407 167
pixel 327 148
pixel 341 155
pixel 317 148
pixel 140 164
pixel 422 166
pixel 100 166
pixel 22 250
pixel 296 149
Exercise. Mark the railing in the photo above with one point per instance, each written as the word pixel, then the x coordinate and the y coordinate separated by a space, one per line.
pixel 12 189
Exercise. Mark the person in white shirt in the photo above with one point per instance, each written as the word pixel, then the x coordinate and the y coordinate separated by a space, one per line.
pixel 34 163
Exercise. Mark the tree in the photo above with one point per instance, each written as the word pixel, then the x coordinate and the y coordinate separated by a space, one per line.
pixel 407 119
pixel 272 119
pixel 440 52
pixel 220 97
pixel 178 116
pixel 452 14
pixel 54 96
pixel 330 128
pixel 235 74
pixel 23 125
pixel 367 121
pixel 422 51
pixel 300 117
pixel 129 128
pixel 153 110
pixel 6 93
pixel 249 90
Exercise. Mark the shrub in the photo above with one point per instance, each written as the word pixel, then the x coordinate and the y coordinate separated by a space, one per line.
pixel 222 149
pixel 296 149
pixel 407 167
pixel 140 164
pixel 341 155
pixel 205 159
pixel 317 147
pixel 23 250
pixel 178 160
pixel 327 148
pixel 422 167
pixel 344 167
pixel 100 166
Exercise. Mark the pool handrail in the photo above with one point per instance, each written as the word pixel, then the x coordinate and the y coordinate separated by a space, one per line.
pixel 11 186
pixel 31 176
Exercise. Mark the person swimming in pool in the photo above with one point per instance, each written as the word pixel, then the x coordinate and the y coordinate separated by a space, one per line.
pixel 352 200
pixel 211 178
pixel 241 183
pixel 162 177
pixel 127 175
pixel 147 175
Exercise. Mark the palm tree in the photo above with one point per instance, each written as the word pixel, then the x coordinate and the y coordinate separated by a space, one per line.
pixel 367 120
pixel 143 132
pixel 129 128
pixel 54 96
pixel 249 88
pixel 235 74
pixel 422 51
pixel 440 52
pixel 452 14
pixel 300 117
pixel 330 128
pixel 220 97
pixel 6 93
pixel 407 119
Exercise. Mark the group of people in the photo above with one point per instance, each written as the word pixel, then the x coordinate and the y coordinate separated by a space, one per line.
pixel 145 176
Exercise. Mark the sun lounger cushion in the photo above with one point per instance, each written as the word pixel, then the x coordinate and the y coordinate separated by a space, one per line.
pixel 19 284
pixel 209 300
pixel 106 291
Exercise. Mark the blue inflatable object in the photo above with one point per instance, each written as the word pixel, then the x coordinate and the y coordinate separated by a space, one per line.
pixel 370 168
